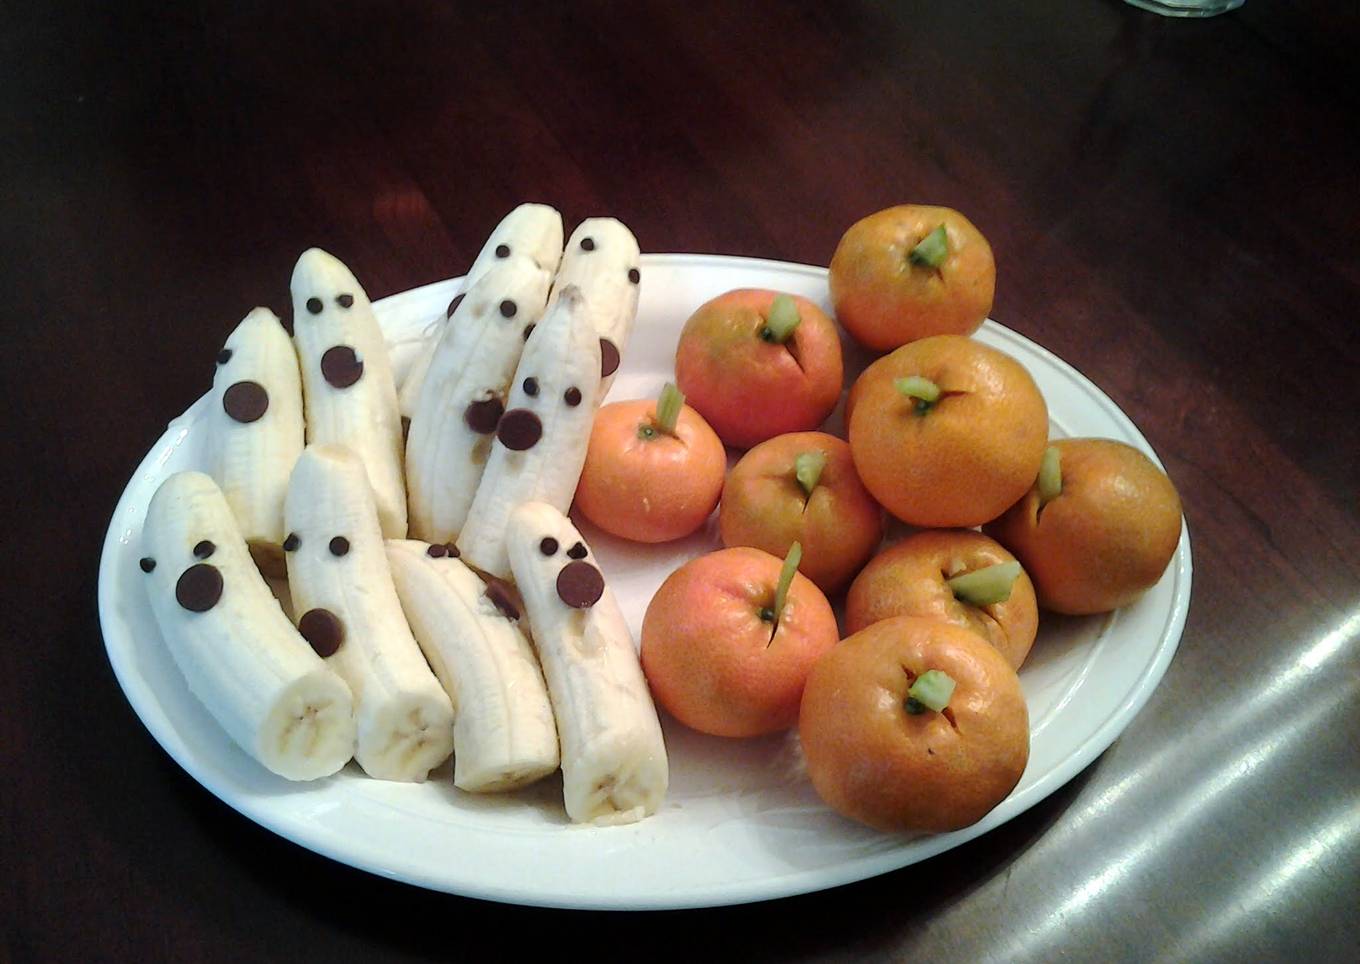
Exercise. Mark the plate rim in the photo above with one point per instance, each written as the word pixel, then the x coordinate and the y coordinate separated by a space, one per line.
pixel 746 891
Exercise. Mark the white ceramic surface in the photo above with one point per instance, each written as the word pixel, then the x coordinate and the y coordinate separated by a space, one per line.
pixel 740 823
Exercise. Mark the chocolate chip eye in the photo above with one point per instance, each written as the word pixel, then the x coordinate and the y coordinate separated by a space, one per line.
pixel 577 551
pixel 339 546
pixel 292 542
pixel 345 301
pixel 502 250
pixel 453 305
pixel 452 550
pixel 224 356
pixel 634 275
pixel 314 305
pixel 437 552
pixel 531 386
pixel 508 308
pixel 204 549
pixel 528 330
pixel 147 564
pixel 548 546
pixel 587 244
pixel 572 396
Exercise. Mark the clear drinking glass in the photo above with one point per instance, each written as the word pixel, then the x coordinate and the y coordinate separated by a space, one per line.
pixel 1187 8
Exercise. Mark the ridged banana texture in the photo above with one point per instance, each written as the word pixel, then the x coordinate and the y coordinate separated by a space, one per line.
pixel 464 393
pixel 530 230
pixel 601 259
pixel 614 767
pixel 541 439
pixel 347 608
pixel 350 398
pixel 226 632
pixel 504 735
pixel 255 428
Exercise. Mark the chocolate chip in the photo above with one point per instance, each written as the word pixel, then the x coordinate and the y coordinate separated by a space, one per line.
pixel 314 305
pixel 291 543
pixel 345 301
pixel 341 367
pixel 587 244
pixel 578 551
pixel 452 550
pixel 502 250
pixel 520 429
pixel 204 549
pixel 580 585
pixel 508 308
pixel 634 275
pixel 147 564
pixel 609 358
pixel 323 629
pixel 437 551
pixel 528 330
pixel 499 594
pixel 483 416
pixel 548 546
pixel 199 588
pixel 339 546
pixel 224 356
pixel 453 305
pixel 531 386
pixel 572 396
pixel 245 402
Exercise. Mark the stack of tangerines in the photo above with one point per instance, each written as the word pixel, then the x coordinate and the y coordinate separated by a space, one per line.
pixel 916 720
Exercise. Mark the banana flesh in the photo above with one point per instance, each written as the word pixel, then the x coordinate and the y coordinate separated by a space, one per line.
pixel 614 767
pixel 228 635
pixel 349 396
pixel 533 231
pixel 504 735
pixel 255 427
pixel 347 607
pixel 464 394
pixel 541 439
pixel 601 259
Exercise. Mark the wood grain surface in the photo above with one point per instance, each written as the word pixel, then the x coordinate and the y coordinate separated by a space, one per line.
pixel 1174 210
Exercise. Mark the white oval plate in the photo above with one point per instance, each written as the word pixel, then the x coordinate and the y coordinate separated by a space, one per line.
pixel 740 823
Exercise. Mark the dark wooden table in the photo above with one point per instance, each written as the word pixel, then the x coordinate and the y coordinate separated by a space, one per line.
pixel 1174 209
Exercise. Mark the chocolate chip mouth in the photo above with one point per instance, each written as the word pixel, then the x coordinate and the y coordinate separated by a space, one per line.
pixel 580 585
pixel 199 587
pixel 323 630
pixel 499 593
pixel 520 429
pixel 483 416
pixel 245 402
pixel 609 358
pixel 341 366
